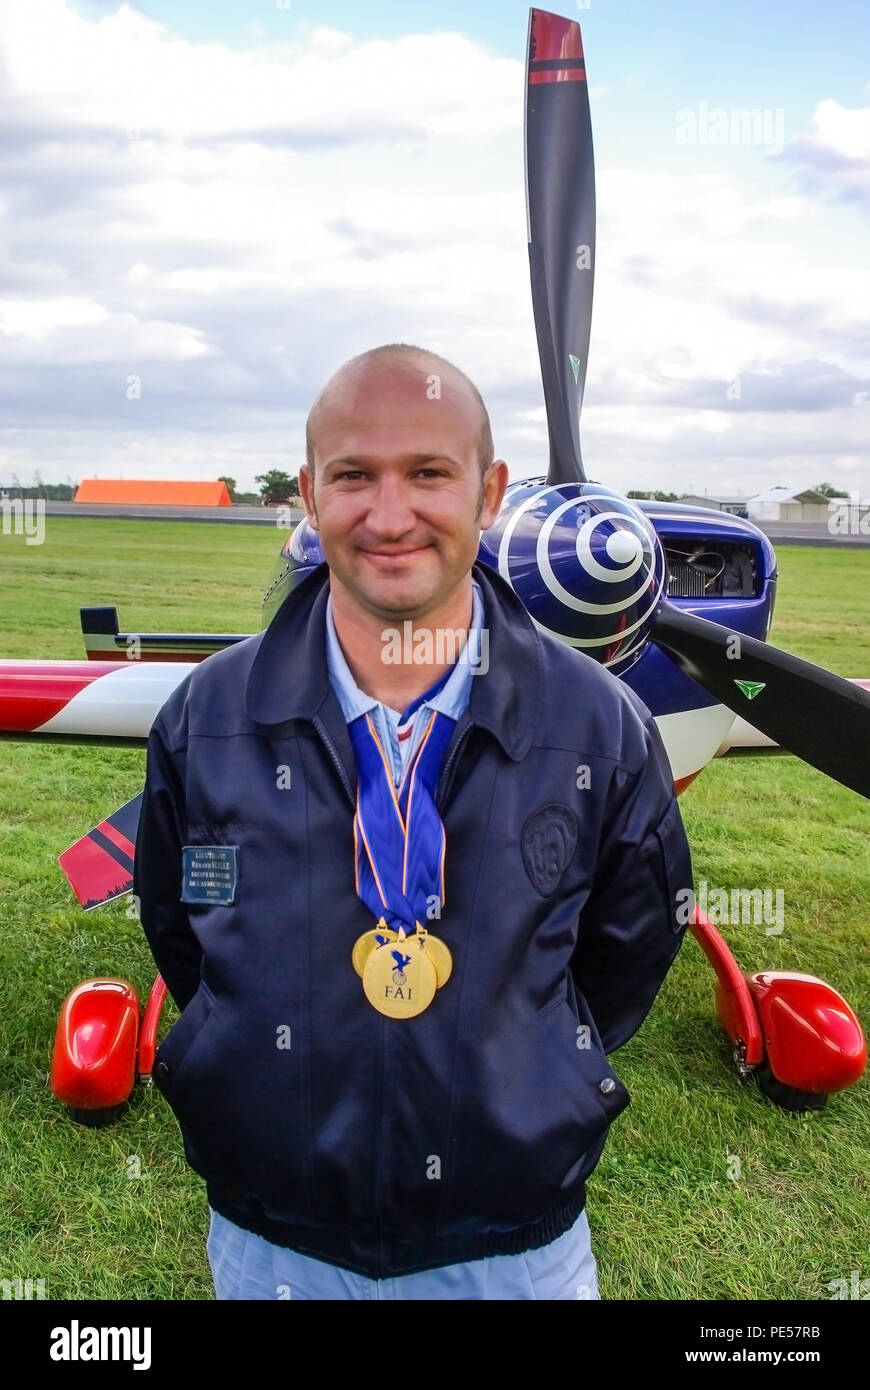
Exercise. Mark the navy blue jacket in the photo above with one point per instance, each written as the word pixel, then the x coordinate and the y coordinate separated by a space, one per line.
pixel 385 1145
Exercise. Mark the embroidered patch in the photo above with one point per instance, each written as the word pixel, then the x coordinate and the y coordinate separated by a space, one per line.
pixel 549 840
pixel 209 873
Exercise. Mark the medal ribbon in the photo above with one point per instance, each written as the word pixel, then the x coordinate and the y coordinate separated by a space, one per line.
pixel 399 840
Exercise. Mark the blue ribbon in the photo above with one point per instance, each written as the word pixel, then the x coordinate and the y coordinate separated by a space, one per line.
pixel 399 840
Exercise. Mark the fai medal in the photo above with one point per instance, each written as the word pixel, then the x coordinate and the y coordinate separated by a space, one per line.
pixel 438 953
pixel 368 942
pixel 399 978
pixel 399 852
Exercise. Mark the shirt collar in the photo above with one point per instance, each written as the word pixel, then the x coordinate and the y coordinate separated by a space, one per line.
pixel 449 693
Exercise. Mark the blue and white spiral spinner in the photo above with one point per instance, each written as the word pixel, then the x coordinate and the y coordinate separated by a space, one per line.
pixel 587 565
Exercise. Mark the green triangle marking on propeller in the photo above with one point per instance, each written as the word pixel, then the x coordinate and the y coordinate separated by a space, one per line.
pixel 750 688
pixel 575 366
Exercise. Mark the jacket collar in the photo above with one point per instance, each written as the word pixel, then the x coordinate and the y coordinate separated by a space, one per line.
pixel 289 678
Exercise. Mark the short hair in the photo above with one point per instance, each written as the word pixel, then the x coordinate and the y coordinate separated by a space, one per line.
pixel 404 352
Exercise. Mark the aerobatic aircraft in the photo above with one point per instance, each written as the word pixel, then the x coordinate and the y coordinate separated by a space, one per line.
pixel 676 601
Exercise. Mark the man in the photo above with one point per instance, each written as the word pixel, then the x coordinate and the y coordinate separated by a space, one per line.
pixel 403 932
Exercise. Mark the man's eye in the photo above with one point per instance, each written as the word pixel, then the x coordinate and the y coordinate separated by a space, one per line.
pixel 351 474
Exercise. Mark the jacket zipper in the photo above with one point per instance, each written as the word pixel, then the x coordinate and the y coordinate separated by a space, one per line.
pixel 451 759
pixel 379 1088
pixel 336 760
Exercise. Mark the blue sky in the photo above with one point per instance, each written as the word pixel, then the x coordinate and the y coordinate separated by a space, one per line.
pixel 227 200
pixel 776 53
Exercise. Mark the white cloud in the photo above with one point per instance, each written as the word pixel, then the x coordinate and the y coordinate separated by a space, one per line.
pixel 128 72
pixel 834 156
pixel 841 130
pixel 35 318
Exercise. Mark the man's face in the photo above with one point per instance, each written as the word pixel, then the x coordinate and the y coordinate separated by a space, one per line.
pixel 398 497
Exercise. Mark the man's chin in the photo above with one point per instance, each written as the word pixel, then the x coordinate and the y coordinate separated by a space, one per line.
pixel 397 600
pixel 393 588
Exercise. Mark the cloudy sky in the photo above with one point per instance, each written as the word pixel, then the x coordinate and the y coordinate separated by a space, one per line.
pixel 227 199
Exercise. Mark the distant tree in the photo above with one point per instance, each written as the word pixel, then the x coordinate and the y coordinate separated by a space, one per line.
pixel 277 487
pixel 828 490
pixel 231 487
pixel 638 496
pixel 49 492
pixel 247 499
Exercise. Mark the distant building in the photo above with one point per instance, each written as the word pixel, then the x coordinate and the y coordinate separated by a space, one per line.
pixel 776 504
pixel 737 504
pixel 789 504
pixel 154 492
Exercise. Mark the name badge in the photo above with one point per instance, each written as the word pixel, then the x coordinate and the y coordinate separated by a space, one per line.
pixel 209 874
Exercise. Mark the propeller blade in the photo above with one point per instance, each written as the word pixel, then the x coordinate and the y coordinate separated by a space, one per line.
pixel 560 210
pixel 820 717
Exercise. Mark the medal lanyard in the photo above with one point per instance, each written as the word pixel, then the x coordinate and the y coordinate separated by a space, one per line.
pixel 399 840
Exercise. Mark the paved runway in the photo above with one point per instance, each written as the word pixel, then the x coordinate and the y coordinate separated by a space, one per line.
pixel 808 533
pixel 252 516
pixel 783 532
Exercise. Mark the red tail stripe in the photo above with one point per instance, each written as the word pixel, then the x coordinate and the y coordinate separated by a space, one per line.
pixel 569 75
pixel 112 833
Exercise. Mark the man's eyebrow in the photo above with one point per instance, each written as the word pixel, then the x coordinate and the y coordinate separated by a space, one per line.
pixel 362 460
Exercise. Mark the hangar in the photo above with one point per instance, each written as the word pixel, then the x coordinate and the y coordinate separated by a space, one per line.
pixel 156 492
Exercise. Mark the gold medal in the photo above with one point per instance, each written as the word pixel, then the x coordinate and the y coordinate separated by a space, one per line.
pixel 368 942
pixel 399 978
pixel 439 954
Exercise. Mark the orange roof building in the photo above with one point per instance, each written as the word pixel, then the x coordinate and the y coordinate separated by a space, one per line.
pixel 154 492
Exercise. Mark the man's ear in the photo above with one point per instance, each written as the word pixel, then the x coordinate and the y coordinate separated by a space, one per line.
pixel 495 481
pixel 306 487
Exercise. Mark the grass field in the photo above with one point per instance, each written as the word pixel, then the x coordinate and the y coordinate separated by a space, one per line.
pixel 667 1219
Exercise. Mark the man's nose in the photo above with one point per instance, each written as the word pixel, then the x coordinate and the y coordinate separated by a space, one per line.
pixel 391 513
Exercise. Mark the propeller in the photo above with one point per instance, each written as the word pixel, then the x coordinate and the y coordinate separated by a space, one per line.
pixel 560 210
pixel 820 717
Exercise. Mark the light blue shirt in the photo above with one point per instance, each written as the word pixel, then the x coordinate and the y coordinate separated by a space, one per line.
pixel 245 1265
pixel 452 698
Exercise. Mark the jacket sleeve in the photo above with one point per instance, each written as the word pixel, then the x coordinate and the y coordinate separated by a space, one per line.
pixel 633 922
pixel 157 862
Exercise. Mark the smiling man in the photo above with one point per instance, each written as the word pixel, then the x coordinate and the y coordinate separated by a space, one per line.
pixel 403 933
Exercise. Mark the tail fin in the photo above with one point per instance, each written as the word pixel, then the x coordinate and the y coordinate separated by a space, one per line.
pixel 99 866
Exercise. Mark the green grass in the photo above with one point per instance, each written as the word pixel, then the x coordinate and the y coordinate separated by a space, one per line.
pixel 667 1220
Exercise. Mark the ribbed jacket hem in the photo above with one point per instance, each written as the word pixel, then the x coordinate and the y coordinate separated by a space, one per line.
pixel 359 1250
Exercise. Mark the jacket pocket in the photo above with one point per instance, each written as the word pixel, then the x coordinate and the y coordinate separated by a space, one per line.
pixel 240 1105
pixel 177 1046
pixel 533 1116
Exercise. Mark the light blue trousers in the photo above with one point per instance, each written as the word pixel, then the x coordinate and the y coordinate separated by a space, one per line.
pixel 245 1266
